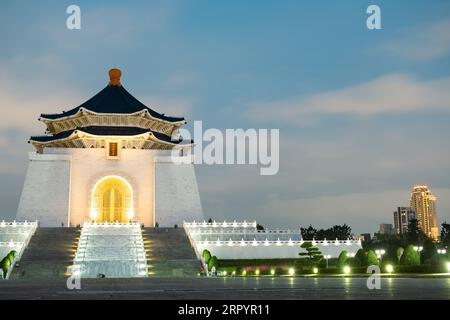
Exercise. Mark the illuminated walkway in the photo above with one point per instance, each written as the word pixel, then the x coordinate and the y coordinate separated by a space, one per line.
pixel 110 250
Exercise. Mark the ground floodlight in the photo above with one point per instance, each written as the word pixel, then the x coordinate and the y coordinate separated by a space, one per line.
pixel 389 268
pixel 272 272
pixel 291 271
pixel 315 270
pixel 257 272
pixel 347 269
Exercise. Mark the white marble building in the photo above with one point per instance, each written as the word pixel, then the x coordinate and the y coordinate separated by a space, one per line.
pixel 110 159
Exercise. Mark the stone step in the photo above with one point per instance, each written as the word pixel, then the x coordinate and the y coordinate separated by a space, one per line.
pixel 115 251
pixel 169 253
pixel 48 254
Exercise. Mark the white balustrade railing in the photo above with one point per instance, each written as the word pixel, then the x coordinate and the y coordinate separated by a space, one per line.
pixel 215 224
pixel 219 237
pixel 18 245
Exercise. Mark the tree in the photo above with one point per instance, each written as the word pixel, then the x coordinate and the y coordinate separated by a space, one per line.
pixel 353 262
pixel 4 265
pixel 210 220
pixel 445 234
pixel 399 252
pixel 312 253
pixel 372 259
pixel 340 232
pixel 343 257
pixel 429 249
pixel 308 233
pixel 414 234
pixel 213 262
pixel 410 257
pixel 362 256
pixel 206 255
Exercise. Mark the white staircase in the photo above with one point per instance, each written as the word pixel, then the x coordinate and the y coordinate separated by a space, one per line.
pixel 111 249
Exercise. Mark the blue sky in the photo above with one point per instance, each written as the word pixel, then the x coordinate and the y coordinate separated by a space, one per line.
pixel 363 115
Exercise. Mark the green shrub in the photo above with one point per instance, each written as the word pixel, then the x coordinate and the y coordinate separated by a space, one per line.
pixel 362 257
pixel 213 262
pixel 206 255
pixel 343 257
pixel 399 252
pixel 437 260
pixel 410 257
pixel 4 265
pixel 11 255
pixel 353 262
pixel 372 258
pixel 279 271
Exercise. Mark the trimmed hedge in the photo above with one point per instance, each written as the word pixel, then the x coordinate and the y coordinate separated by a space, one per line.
pixel 410 257
pixel 213 262
pixel 343 257
pixel 7 261
pixel 206 256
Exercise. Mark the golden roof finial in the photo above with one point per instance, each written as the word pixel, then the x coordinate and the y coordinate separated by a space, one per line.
pixel 114 77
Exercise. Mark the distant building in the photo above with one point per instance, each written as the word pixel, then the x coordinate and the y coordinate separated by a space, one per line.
pixel 386 228
pixel 423 202
pixel 365 236
pixel 402 217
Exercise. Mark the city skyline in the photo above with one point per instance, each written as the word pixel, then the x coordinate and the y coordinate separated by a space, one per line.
pixel 350 103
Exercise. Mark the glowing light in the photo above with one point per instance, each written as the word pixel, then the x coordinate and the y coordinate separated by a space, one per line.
pixel 291 271
pixel 257 272
pixel 272 272
pixel 448 266
pixel 315 270
pixel 389 268
pixel 105 183
pixel 244 273
pixel 225 273
pixel 347 269
pixel 130 214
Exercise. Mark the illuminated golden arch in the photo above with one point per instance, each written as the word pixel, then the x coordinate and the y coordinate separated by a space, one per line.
pixel 112 200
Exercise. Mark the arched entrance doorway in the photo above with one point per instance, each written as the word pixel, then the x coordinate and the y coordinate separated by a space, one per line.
pixel 112 200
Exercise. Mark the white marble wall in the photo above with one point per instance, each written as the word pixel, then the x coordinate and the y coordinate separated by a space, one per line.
pixel 177 198
pixel 59 184
pixel 45 194
pixel 273 251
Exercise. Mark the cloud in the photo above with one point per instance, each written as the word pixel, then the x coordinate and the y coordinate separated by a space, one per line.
pixel 392 93
pixel 358 177
pixel 22 101
pixel 422 43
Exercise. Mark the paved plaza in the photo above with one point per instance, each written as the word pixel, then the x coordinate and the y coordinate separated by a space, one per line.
pixel 426 287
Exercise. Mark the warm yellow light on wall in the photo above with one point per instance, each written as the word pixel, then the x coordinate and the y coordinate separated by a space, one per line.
pixel 112 200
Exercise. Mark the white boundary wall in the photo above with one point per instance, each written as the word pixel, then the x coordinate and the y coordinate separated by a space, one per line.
pixel 270 248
